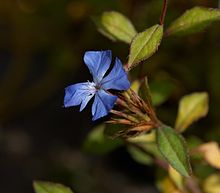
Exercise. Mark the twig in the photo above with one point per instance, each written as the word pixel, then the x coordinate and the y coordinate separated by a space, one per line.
pixel 164 11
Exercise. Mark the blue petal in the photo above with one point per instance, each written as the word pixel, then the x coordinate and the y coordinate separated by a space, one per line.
pixel 80 93
pixel 98 63
pixel 103 103
pixel 117 79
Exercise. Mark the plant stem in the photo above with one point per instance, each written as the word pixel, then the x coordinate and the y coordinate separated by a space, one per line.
pixel 164 11
pixel 190 183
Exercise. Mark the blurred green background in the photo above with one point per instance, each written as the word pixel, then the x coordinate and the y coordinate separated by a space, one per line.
pixel 42 43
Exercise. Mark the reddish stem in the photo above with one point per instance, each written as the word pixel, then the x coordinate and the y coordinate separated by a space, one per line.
pixel 164 11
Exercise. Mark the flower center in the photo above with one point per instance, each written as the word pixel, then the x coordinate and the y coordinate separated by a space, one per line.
pixel 98 86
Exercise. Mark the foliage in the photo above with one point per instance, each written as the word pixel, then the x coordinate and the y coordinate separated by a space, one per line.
pixel 135 118
pixel 98 143
pixel 49 187
pixel 172 147
pixel 117 26
pixel 144 45
pixel 191 108
pixel 193 20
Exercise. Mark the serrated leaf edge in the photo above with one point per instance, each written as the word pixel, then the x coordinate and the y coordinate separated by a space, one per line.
pixel 186 151
pixel 134 64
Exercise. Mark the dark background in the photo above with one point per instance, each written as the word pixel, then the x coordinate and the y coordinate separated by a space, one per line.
pixel 42 43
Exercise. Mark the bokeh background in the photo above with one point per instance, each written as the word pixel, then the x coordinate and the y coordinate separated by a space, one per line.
pixel 42 43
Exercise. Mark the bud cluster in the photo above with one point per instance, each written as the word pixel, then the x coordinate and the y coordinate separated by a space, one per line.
pixel 134 112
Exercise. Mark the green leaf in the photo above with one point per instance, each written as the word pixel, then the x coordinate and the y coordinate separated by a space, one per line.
pixel 176 177
pixel 172 146
pixel 191 108
pixel 102 29
pixel 49 187
pixel 147 144
pixel 118 26
pixel 212 183
pixel 97 142
pixel 161 90
pixel 193 20
pixel 144 45
pixel 139 156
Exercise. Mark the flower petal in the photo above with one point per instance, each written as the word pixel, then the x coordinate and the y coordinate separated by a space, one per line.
pixel 98 63
pixel 117 79
pixel 80 93
pixel 103 103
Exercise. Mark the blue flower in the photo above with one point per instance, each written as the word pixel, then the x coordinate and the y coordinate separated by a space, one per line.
pixel 98 63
